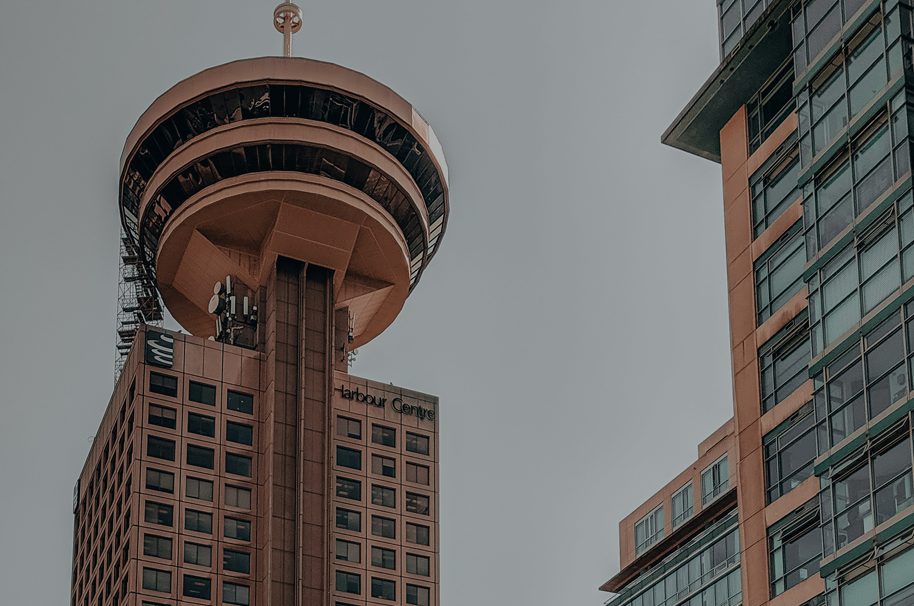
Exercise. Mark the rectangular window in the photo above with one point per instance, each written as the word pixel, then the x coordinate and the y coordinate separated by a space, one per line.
pixel 201 555
pixel 417 503
pixel 770 106
pixel 857 176
pixel 383 589
pixel 202 393
pixel 383 466
pixel 417 443
pixel 240 402
pixel 233 593
pixel 198 488
pixel 896 580
pixel 383 527
pixel 162 416
pixel 160 480
pixel 732 25
pixel 238 464
pixel 862 275
pixel 891 477
pixel 239 433
pixel 240 530
pixel 156 546
pixel 815 23
pixel 160 448
pixel 417 534
pixel 198 521
pixel 715 480
pixel 865 380
pixel 347 488
pixel 347 551
pixel 348 519
pixel 784 362
pixel 873 487
pixel 235 496
pixel 201 424
pixel 159 513
pixel 348 457
pixel 236 561
pixel 417 564
pixel 349 428
pixel 790 450
pixel 417 473
pixel 795 545
pixel 844 88
pixel 383 496
pixel 156 580
pixel 199 456
pixel 779 273
pixel 197 587
pixel 682 504
pixel 417 595
pixel 648 530
pixel 773 187
pixel 348 582
pixel 385 436
pixel 383 558
pixel 166 385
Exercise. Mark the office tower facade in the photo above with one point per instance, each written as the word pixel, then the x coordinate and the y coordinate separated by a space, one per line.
pixel 282 210
pixel 805 497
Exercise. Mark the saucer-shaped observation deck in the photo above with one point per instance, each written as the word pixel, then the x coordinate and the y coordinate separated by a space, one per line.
pixel 282 156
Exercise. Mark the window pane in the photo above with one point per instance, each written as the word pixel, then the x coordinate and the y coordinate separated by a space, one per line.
pixel 162 416
pixel 862 591
pixel 197 587
pixel 386 436
pixel 201 555
pixel 237 529
pixel 200 456
pixel 160 448
pixel 239 432
pixel 240 402
pixel 417 443
pixel 348 457
pixel 166 385
pixel 198 521
pixel 201 424
pixel 238 464
pixel 202 393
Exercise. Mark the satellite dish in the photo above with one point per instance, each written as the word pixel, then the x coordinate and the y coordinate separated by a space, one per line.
pixel 216 304
pixel 217 289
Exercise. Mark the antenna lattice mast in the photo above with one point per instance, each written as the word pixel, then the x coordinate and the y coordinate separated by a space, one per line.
pixel 137 301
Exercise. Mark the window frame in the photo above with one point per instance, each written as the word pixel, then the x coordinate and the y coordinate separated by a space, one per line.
pixel 653 524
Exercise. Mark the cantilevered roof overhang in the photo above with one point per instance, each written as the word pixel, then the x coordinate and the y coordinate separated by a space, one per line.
pixel 646 562
pixel 697 127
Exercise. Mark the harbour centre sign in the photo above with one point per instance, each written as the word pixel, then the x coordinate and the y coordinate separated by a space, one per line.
pixel 398 404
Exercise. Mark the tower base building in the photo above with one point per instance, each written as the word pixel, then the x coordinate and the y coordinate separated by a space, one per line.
pixel 224 475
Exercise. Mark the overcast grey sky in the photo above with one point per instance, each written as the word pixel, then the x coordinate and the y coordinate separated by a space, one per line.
pixel 579 296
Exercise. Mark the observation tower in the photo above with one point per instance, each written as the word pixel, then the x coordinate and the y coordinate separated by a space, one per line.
pixel 282 210
pixel 283 157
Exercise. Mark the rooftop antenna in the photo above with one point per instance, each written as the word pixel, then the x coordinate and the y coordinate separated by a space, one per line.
pixel 287 19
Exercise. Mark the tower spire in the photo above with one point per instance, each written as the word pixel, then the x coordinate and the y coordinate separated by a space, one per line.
pixel 287 19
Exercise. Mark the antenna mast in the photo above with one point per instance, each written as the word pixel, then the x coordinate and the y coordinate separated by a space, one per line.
pixel 287 19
